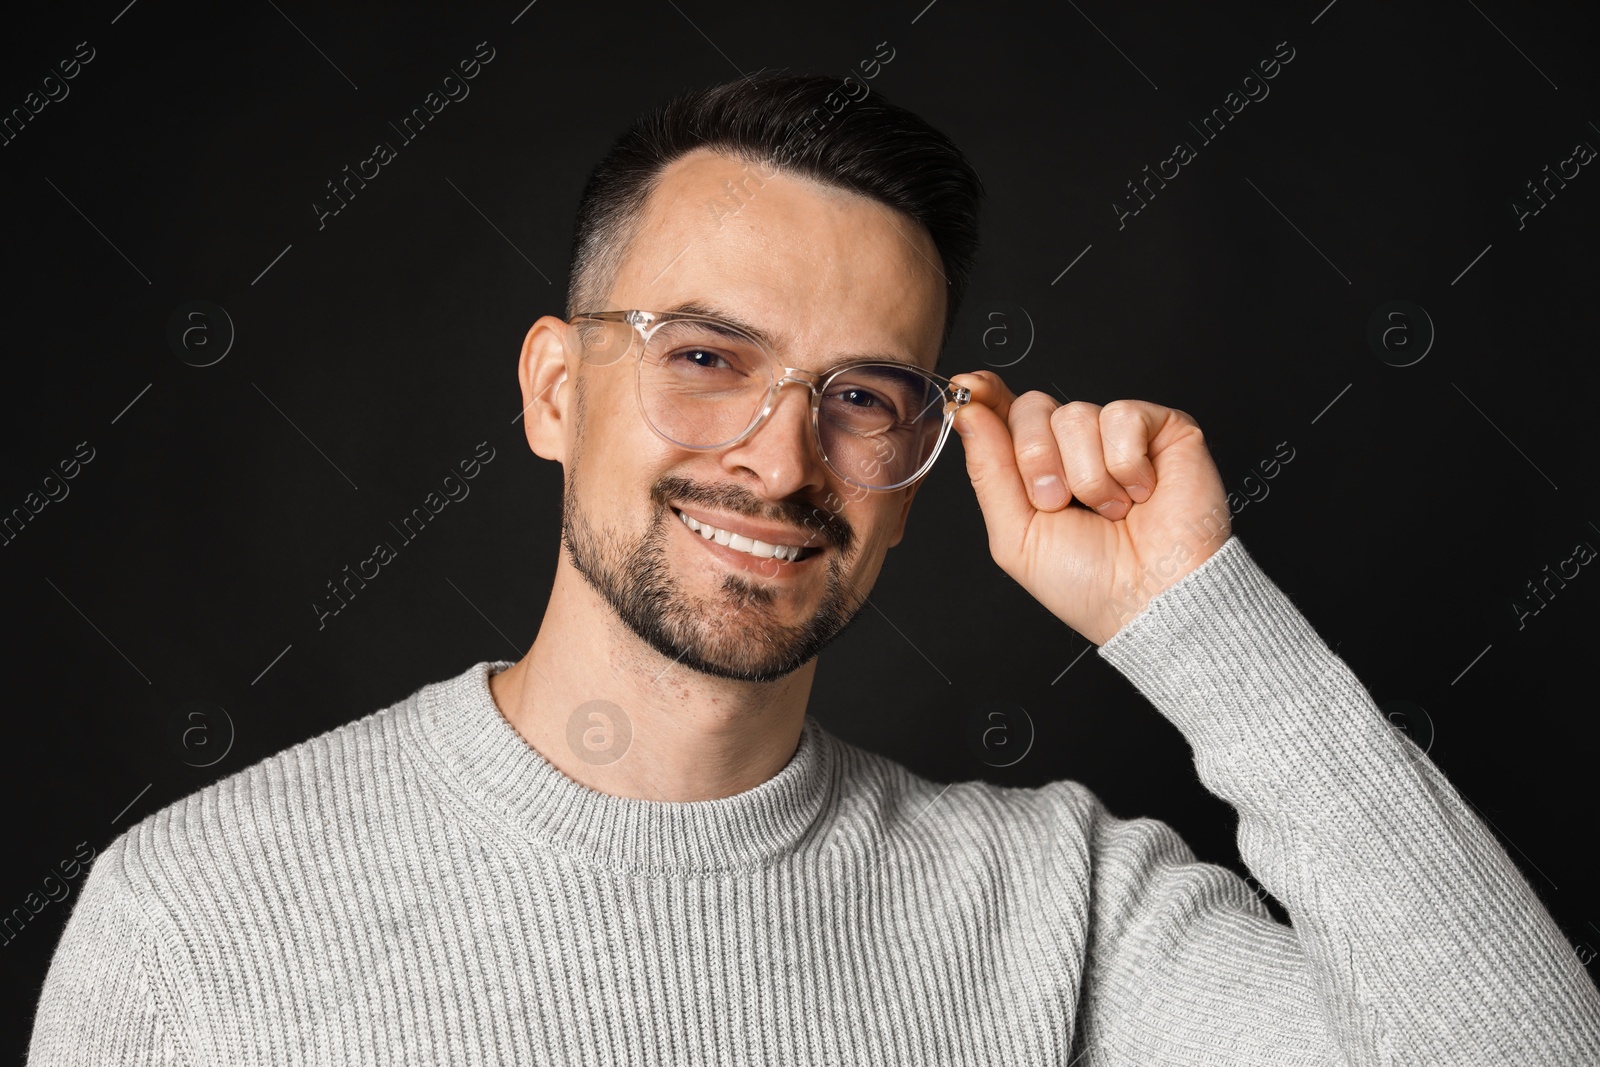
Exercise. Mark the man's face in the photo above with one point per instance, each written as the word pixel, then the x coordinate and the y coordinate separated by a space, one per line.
pixel 829 276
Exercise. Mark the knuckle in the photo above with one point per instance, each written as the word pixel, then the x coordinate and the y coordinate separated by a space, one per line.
pixel 1119 412
pixel 1033 450
pixel 1078 411
pixel 1124 469
pixel 1033 398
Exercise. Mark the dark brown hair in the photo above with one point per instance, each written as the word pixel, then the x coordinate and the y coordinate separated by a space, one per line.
pixel 832 131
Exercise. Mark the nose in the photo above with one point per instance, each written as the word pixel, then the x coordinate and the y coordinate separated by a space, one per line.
pixel 781 452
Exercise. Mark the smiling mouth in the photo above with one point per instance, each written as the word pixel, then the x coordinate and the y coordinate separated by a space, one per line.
pixel 757 549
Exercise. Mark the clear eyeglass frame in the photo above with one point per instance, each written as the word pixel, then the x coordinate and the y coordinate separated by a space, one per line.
pixel 646 323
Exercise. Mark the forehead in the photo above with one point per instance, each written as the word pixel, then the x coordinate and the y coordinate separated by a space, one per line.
pixel 825 271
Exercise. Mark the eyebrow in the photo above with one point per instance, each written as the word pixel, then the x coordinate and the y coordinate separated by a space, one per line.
pixel 697 307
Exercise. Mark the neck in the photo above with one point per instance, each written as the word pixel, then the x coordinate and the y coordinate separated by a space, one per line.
pixel 682 735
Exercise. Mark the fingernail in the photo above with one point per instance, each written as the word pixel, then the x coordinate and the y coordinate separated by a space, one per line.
pixel 1139 493
pixel 1048 492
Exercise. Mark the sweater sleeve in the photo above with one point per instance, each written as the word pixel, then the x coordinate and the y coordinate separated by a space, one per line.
pixel 1414 937
pixel 105 998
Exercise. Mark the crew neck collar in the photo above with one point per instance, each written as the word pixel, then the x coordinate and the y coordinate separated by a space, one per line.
pixel 513 783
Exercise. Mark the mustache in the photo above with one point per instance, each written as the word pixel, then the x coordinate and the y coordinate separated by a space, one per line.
pixel 827 525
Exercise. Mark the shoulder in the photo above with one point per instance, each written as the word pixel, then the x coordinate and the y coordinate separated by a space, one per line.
pixel 285 818
pixel 1119 873
pixel 877 790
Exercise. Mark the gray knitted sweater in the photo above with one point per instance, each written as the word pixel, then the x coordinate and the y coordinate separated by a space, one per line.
pixel 421 886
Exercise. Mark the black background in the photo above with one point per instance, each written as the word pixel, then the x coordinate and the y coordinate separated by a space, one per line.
pixel 371 355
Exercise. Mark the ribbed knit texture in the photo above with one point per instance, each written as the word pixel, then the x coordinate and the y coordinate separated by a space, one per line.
pixel 421 886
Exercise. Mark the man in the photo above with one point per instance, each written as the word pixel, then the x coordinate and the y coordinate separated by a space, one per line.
pixel 633 846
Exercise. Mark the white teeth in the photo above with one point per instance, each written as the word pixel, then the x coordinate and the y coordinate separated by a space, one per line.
pixel 759 549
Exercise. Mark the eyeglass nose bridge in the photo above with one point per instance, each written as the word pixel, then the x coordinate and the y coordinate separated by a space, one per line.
pixel 799 375
pixel 810 378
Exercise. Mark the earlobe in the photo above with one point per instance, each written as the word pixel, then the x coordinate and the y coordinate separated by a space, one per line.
pixel 542 370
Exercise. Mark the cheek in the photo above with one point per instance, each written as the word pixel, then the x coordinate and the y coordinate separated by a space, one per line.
pixel 874 525
pixel 609 436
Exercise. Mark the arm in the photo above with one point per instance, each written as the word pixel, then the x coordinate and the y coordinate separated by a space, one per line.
pixel 108 997
pixel 1184 967
pixel 1415 938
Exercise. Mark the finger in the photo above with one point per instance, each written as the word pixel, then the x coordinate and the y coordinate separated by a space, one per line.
pixel 1038 453
pixel 1127 428
pixel 1076 427
pixel 988 390
pixel 992 467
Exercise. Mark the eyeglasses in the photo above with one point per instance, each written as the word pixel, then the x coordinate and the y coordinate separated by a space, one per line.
pixel 706 384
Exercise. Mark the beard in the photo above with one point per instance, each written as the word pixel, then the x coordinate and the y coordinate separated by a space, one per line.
pixel 733 633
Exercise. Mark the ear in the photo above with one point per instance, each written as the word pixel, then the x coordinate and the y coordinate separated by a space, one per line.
pixel 549 359
pixel 905 510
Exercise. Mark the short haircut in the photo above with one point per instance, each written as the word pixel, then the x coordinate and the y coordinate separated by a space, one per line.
pixel 810 125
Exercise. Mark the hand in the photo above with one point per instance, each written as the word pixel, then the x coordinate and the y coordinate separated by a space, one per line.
pixel 1155 508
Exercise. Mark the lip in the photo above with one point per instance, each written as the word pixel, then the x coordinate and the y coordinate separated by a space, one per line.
pixel 767 568
pixel 756 531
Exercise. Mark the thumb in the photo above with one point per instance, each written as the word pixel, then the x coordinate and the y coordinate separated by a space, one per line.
pixel 992 467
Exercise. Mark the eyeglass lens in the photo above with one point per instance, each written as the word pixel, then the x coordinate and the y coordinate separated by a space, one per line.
pixel 703 383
